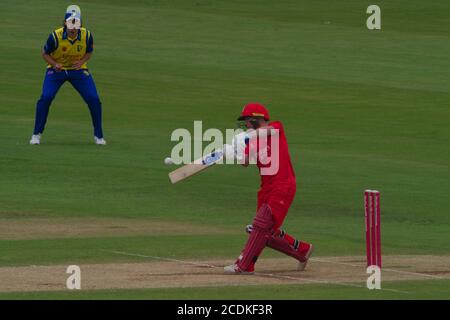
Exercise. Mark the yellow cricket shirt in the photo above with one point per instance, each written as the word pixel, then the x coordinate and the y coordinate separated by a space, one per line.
pixel 67 51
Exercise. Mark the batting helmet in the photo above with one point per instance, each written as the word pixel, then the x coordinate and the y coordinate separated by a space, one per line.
pixel 254 110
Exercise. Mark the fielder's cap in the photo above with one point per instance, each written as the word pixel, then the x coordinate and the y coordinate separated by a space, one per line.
pixel 73 17
pixel 73 12
pixel 254 110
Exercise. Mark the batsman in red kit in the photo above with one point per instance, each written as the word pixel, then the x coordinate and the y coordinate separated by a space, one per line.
pixel 265 143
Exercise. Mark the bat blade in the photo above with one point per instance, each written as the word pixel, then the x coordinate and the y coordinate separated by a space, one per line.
pixel 186 171
pixel 195 167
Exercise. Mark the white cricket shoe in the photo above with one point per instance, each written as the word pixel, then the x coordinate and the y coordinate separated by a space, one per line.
pixel 99 141
pixel 302 263
pixel 234 269
pixel 35 139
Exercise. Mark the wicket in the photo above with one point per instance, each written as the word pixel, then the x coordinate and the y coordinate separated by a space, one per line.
pixel 373 231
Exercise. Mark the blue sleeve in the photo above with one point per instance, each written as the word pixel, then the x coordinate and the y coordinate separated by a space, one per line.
pixel 51 44
pixel 89 43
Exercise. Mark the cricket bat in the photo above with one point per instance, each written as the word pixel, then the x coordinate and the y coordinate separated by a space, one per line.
pixel 195 167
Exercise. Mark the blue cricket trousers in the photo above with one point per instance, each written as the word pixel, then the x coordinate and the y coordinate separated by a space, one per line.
pixel 83 82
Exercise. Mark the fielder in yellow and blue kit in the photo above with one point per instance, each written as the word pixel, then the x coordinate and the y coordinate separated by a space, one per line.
pixel 66 52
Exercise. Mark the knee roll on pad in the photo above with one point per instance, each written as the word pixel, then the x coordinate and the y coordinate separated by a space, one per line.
pixel 264 218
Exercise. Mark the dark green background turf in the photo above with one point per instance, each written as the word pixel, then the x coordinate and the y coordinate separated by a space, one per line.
pixel 362 109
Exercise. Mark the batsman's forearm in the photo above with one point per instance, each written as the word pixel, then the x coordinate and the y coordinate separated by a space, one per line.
pixel 246 162
pixel 269 131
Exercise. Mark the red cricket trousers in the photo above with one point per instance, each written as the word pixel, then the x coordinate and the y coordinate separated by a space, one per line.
pixel 279 198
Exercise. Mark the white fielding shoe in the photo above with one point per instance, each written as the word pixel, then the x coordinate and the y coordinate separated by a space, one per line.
pixel 35 139
pixel 99 141
pixel 234 269
pixel 302 264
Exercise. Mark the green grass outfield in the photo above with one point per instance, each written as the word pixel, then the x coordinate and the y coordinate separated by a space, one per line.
pixel 362 109
pixel 422 290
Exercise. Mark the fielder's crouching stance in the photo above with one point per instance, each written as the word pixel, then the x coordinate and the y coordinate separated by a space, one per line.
pixel 66 52
pixel 275 196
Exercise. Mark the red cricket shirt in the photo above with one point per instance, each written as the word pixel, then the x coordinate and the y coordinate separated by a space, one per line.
pixel 273 161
